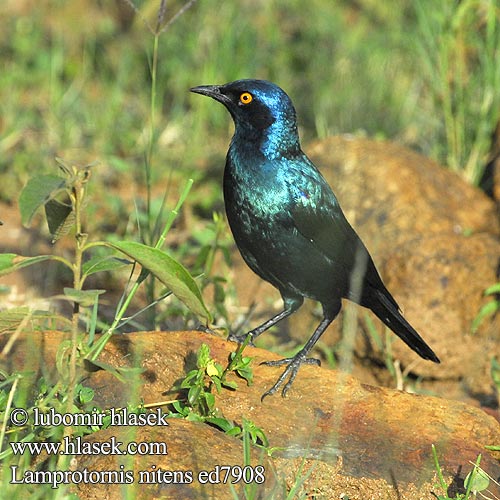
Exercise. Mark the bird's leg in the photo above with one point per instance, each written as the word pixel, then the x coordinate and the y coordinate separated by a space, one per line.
pixel 262 328
pixel 294 363
pixel 291 305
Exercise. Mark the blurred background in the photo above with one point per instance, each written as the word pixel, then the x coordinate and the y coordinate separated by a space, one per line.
pixel 76 75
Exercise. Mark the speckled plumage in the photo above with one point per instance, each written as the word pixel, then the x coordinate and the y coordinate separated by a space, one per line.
pixel 287 222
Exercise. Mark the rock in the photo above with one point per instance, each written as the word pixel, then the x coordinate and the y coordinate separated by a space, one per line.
pixel 392 195
pixel 441 284
pixel 200 463
pixel 368 438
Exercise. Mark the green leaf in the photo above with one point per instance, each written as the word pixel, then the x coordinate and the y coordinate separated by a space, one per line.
pixel 203 356
pixel 120 373
pixel 38 191
pixel 86 395
pixel 10 319
pixel 235 431
pixel 229 384
pixel 210 399
pixel 10 262
pixel 217 382
pixel 60 218
pixel 492 289
pixel 241 365
pixel 84 297
pixel 194 394
pixel 99 264
pixel 492 447
pixel 476 480
pixel 487 310
pixel 222 423
pixel 194 417
pixel 169 272
pixel 188 379
pixel 179 408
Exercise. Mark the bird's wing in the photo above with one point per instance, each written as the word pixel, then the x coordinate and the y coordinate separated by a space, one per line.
pixel 317 215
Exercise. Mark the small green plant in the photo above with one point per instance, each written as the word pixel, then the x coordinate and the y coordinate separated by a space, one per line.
pixel 495 372
pixel 250 434
pixel 476 481
pixel 198 385
pixel 63 199
pixel 48 397
pixel 489 309
pixel 385 347
pixel 199 403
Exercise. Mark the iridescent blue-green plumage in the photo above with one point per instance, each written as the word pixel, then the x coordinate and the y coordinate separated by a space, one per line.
pixel 287 222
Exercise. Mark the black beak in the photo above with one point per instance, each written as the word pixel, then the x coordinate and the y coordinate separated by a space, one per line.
pixel 212 91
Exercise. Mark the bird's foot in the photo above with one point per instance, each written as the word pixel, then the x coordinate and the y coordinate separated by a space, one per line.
pixel 241 338
pixel 293 365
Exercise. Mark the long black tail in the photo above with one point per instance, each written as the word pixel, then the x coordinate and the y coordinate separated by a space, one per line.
pixel 382 303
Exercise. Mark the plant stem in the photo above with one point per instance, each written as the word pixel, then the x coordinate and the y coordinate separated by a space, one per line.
pixel 439 472
pixel 236 357
pixel 77 196
pixel 99 346
pixel 150 284
pixel 149 154
pixel 8 406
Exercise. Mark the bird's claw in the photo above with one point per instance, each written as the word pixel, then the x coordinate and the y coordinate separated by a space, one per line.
pixel 241 338
pixel 293 365
pixel 289 361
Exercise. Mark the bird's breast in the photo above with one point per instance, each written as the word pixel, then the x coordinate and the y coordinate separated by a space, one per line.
pixel 255 191
pixel 261 200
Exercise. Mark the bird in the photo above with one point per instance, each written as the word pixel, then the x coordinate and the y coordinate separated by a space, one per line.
pixel 288 225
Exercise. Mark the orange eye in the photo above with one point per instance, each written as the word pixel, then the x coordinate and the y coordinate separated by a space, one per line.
pixel 246 98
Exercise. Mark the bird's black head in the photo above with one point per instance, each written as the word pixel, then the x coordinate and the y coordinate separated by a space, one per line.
pixel 262 112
